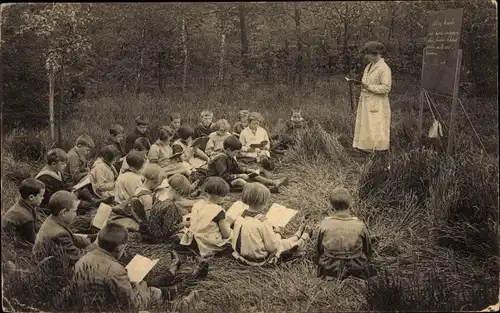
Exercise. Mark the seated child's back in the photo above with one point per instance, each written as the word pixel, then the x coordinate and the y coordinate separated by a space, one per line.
pixel 130 179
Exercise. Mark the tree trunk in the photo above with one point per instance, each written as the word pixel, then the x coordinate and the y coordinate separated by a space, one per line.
pixel 51 106
pixel 185 49
pixel 346 38
pixel 161 74
pixel 244 40
pixel 61 102
pixel 141 63
pixel 299 64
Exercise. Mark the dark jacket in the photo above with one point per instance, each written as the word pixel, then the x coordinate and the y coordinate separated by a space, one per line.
pixel 53 182
pixel 201 130
pixel 131 138
pixel 224 166
pixel 20 223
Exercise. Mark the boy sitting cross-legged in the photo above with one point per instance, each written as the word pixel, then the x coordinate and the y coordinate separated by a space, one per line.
pixel 344 247
pixel 100 272
pixel 287 139
pixel 20 223
pixel 223 164
pixel 55 239
pixel 78 166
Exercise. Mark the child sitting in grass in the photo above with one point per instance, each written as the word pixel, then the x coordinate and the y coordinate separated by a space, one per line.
pixel 343 247
pixel 141 130
pixel 116 139
pixel 175 124
pixel 209 232
pixel 55 238
pixel 78 166
pixel 141 145
pixel 255 141
pixel 223 164
pixel 192 155
pixel 204 128
pixel 51 175
pixel 161 154
pixel 242 122
pixel 103 173
pixel 216 139
pixel 20 224
pixel 100 272
pixel 255 241
pixel 131 178
pixel 166 215
pixel 287 139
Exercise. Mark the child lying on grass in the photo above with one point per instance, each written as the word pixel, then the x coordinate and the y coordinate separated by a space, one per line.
pixel 255 241
pixel 343 247
pixel 209 232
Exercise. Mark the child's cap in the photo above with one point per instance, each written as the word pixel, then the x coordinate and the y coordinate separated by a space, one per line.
pixel 30 186
pixel 180 184
pixel 185 132
pixel 86 141
pixel 135 159
pixel 152 172
pixel 111 236
pixel 141 121
pixel 206 113
pixel 340 198
pixel 56 155
pixel 116 129
pixel 255 116
pixel 255 194
pixel 61 200
pixel 232 143
pixel 216 186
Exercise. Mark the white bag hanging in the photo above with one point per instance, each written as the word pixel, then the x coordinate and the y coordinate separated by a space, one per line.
pixel 436 130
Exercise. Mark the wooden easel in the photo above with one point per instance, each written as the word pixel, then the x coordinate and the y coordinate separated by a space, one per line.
pixel 456 83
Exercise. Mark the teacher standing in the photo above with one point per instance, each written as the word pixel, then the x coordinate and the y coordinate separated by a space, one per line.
pixel 373 117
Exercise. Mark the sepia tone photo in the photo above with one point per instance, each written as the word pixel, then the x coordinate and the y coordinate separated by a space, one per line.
pixel 250 157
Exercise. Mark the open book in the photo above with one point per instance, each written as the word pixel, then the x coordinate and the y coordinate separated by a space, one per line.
pixel 279 215
pixel 259 145
pixel 101 216
pixel 82 183
pixel 235 210
pixel 139 267
pixel 350 80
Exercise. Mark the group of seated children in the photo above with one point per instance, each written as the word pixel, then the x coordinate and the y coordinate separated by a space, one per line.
pixel 150 192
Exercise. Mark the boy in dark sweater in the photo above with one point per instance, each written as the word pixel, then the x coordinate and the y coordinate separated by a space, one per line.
pixel 141 130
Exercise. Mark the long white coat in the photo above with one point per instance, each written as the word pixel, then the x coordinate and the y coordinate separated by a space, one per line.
pixel 373 118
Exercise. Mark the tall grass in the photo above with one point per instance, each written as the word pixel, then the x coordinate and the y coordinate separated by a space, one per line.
pixel 426 212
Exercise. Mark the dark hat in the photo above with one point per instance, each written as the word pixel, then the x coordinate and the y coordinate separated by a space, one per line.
pixel 374 47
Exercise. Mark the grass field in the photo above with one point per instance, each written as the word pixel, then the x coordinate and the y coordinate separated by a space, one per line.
pixel 435 216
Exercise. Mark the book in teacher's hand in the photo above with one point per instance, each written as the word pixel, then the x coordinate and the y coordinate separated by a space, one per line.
pixel 350 80
pixel 139 267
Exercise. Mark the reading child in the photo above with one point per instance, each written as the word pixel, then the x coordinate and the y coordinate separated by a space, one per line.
pixel 242 122
pixel 78 166
pixel 161 154
pixel 189 153
pixel 343 247
pixel 141 130
pixel 209 232
pixel 255 141
pixel 131 178
pixel 103 173
pixel 255 241
pixel 141 145
pixel 166 214
pixel 51 175
pixel 216 139
pixel 223 164
pixel 55 237
pixel 20 223
pixel 116 139
pixel 205 127
pixel 101 272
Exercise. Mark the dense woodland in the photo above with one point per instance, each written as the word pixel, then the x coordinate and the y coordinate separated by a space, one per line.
pixel 90 50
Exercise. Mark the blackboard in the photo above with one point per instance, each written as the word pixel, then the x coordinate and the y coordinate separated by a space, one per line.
pixel 441 51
